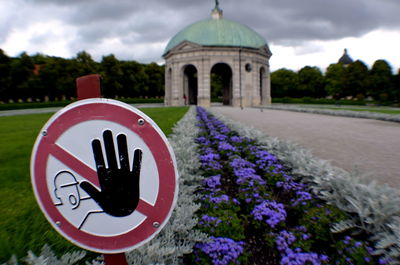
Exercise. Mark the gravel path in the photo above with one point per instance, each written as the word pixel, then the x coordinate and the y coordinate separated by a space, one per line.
pixel 370 147
pixel 55 109
pixel 4 113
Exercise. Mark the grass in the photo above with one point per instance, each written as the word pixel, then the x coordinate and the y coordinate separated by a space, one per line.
pixel 23 227
pixel 376 110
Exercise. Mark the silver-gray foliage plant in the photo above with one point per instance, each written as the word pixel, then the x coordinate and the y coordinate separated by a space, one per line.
pixel 371 208
pixel 178 236
pixel 47 256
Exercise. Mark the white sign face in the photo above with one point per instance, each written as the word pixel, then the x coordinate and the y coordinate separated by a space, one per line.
pixel 104 175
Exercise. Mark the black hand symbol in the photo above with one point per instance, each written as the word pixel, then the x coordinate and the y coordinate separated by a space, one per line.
pixel 119 187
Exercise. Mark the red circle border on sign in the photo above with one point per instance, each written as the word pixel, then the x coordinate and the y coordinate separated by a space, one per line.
pixel 165 161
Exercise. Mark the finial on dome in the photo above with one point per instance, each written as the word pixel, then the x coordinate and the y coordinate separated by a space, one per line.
pixel 216 12
pixel 345 59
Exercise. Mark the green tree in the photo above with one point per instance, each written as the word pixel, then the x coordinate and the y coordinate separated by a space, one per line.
pixel 36 83
pixel 5 69
pixel 57 78
pixel 85 64
pixel 311 82
pixel 136 78
pixel 355 79
pixel 39 59
pixel 155 79
pixel 21 73
pixel 217 86
pixel 129 80
pixel 284 83
pixel 334 80
pixel 381 81
pixel 112 76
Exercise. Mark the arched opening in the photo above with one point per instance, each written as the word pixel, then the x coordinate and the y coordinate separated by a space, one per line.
pixel 262 84
pixel 190 85
pixel 221 83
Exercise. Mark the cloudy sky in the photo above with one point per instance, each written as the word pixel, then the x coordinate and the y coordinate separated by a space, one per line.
pixel 299 32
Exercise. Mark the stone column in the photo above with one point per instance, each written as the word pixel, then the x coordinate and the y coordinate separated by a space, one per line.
pixel 204 83
pixel 236 86
pixel 177 80
pixel 268 85
pixel 256 99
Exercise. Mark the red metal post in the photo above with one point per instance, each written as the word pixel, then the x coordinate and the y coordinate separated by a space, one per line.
pixel 88 86
pixel 115 259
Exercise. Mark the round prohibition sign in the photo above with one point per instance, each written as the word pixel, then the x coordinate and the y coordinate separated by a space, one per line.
pixel 76 167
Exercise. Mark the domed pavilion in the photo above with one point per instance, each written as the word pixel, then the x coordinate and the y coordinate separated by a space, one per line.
pixel 238 55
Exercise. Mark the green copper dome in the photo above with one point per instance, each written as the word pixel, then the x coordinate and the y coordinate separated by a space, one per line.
pixel 218 32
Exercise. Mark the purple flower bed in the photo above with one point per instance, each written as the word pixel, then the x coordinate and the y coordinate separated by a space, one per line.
pixel 256 213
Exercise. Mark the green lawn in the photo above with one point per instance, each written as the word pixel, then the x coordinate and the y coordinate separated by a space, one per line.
pixel 22 225
pixel 376 110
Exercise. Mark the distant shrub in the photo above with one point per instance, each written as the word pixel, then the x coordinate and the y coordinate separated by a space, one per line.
pixel 51 104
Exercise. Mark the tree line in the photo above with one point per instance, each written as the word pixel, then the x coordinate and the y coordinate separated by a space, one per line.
pixel 41 78
pixel 352 81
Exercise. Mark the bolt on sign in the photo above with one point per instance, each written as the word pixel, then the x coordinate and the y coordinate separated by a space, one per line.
pixel 104 175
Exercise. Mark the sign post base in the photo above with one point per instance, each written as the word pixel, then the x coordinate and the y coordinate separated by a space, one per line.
pixel 115 259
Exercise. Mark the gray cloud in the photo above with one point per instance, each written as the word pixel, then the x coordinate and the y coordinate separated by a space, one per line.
pixel 284 22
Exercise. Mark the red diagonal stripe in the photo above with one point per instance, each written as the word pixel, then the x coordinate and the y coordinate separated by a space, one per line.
pixel 144 208
pixel 75 164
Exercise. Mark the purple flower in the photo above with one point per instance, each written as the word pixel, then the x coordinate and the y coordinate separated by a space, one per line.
pixel 218 136
pixel 212 182
pixel 209 156
pixel 224 129
pixel 210 160
pixel 358 244
pixel 209 221
pixel 302 258
pixel 271 212
pixel 247 176
pixel 384 261
pixel 221 250
pixel 283 241
pixel 302 197
pixel 216 200
pixel 237 139
pixel 224 146
pixel 241 163
pixel 203 141
pixel 301 228
pixel 347 240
